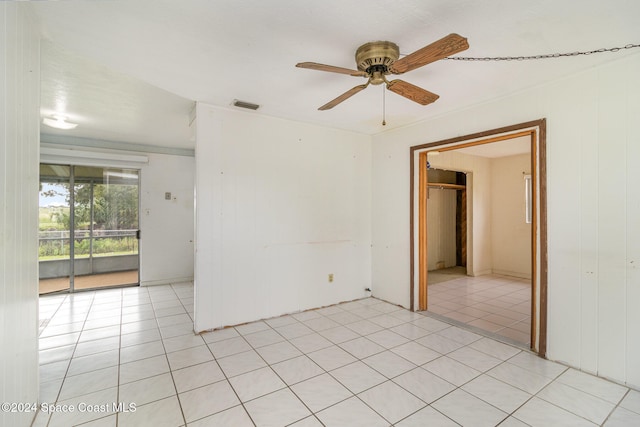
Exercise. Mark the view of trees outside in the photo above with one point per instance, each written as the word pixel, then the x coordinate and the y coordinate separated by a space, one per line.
pixel 115 220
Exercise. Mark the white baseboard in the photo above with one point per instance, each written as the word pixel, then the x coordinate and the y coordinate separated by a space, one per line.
pixel 479 273
pixel 166 281
pixel 517 274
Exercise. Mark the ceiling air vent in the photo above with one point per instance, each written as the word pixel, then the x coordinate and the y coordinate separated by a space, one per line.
pixel 243 104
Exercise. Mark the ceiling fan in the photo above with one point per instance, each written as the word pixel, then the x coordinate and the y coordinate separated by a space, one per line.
pixel 376 60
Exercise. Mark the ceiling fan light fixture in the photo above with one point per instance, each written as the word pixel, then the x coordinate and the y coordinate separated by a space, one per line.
pixel 59 122
pixel 244 104
pixel 376 60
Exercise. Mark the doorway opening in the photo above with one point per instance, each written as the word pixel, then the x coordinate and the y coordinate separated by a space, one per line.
pixel 447 222
pixel 88 228
pixel 515 286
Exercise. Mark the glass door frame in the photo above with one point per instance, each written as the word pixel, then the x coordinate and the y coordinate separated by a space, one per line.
pixel 71 259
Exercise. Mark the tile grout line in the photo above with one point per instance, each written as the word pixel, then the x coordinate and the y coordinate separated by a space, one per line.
pixel 184 418
pixel 336 344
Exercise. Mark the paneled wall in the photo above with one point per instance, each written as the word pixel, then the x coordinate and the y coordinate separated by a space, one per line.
pixel 593 152
pixel 166 247
pixel 280 205
pixel 19 139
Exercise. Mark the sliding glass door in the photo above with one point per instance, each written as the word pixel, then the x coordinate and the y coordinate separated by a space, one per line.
pixel 99 208
pixel 54 232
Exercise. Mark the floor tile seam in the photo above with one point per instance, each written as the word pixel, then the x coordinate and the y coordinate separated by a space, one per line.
pixel 460 388
pixel 473 367
pixel 57 335
pixel 428 406
pixel 57 397
pixel 182 303
pixel 502 326
pixel 378 413
pixel 500 307
pixel 551 380
pixel 369 355
pixel 84 318
pixel 184 418
pixel 619 405
pixel 570 411
pixel 505 383
pixel 226 377
pixel 383 375
pixel 290 387
pixel 353 395
pixel 218 412
pixel 93 369
pixel 592 394
pixel 478 331
pixel 412 393
pixel 347 387
pixel 119 360
pixel 54 312
pixel 77 396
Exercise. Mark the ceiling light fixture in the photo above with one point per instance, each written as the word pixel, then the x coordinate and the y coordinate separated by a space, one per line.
pixel 59 122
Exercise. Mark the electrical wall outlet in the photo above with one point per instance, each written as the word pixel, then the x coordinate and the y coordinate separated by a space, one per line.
pixel 330 277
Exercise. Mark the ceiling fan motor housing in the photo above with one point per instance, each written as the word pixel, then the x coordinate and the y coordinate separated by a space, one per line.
pixel 375 58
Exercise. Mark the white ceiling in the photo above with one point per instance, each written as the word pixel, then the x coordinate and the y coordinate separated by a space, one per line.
pixel 130 70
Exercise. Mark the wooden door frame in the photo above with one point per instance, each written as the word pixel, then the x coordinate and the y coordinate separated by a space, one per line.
pixel 537 131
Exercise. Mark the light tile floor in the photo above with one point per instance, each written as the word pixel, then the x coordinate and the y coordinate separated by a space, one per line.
pixel 496 304
pixel 361 363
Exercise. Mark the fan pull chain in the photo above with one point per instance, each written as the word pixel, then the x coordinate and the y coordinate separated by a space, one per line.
pixel 384 108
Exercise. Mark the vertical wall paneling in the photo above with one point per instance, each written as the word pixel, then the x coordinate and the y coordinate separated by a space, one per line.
pixel 208 218
pixel 280 205
pixel 585 151
pixel 632 296
pixel 564 222
pixel 19 137
pixel 166 247
pixel 612 233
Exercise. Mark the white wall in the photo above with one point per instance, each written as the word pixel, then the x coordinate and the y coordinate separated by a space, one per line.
pixel 166 247
pixel 19 144
pixel 593 152
pixel 279 206
pixel 510 234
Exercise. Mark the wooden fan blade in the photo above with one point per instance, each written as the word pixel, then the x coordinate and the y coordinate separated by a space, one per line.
pixel 412 92
pixel 446 46
pixel 344 96
pixel 330 68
